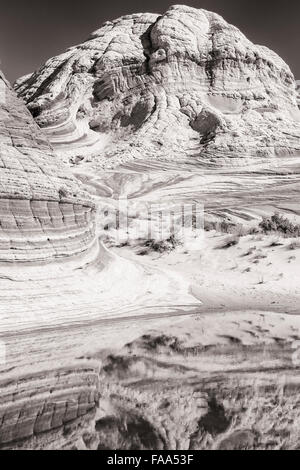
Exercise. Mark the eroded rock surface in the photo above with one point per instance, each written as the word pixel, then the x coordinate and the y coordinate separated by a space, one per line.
pixel 212 390
pixel 185 84
pixel 44 213
pixel 45 216
pixel 38 403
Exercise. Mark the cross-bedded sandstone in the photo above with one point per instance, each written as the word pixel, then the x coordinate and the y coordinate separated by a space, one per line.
pixel 44 214
pixel 182 85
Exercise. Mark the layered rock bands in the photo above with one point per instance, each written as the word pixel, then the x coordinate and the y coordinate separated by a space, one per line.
pixel 185 84
pixel 44 215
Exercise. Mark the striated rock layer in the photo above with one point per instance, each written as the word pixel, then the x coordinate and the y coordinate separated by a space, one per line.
pixel 48 401
pixel 185 84
pixel 44 215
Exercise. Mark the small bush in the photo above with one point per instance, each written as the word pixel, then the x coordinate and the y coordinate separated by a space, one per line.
pixel 228 243
pixel 210 225
pixel 278 223
pixel 162 246
pixel 226 226
pixel 253 231
pixel 275 243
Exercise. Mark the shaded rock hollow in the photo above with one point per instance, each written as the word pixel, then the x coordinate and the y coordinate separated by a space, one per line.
pixel 182 85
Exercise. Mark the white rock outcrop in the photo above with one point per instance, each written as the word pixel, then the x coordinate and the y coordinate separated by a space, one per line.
pixel 45 217
pixel 46 402
pixel 44 214
pixel 182 85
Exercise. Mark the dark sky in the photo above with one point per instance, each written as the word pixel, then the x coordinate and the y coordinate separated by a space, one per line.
pixel 31 31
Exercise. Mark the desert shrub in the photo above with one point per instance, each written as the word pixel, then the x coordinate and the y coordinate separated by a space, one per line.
pixel 161 246
pixel 229 242
pixel 278 223
pixel 225 226
pixel 253 231
pixel 275 243
pixel 210 225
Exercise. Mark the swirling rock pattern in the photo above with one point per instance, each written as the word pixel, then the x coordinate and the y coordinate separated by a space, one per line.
pixel 182 85
pixel 44 214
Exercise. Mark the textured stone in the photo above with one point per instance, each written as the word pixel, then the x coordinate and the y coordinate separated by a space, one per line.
pixel 45 401
pixel 185 84
pixel 44 214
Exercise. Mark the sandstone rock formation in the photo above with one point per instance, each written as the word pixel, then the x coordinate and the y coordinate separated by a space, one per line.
pixel 185 84
pixel 44 213
pixel 45 216
pixel 214 387
pixel 46 401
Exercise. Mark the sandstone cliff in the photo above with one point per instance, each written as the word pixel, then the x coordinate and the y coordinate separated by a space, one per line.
pixel 44 213
pixel 185 84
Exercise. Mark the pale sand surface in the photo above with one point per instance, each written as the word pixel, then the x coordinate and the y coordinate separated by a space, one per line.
pixel 234 311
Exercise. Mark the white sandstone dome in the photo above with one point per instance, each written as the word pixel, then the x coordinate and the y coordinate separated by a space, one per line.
pixel 182 85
